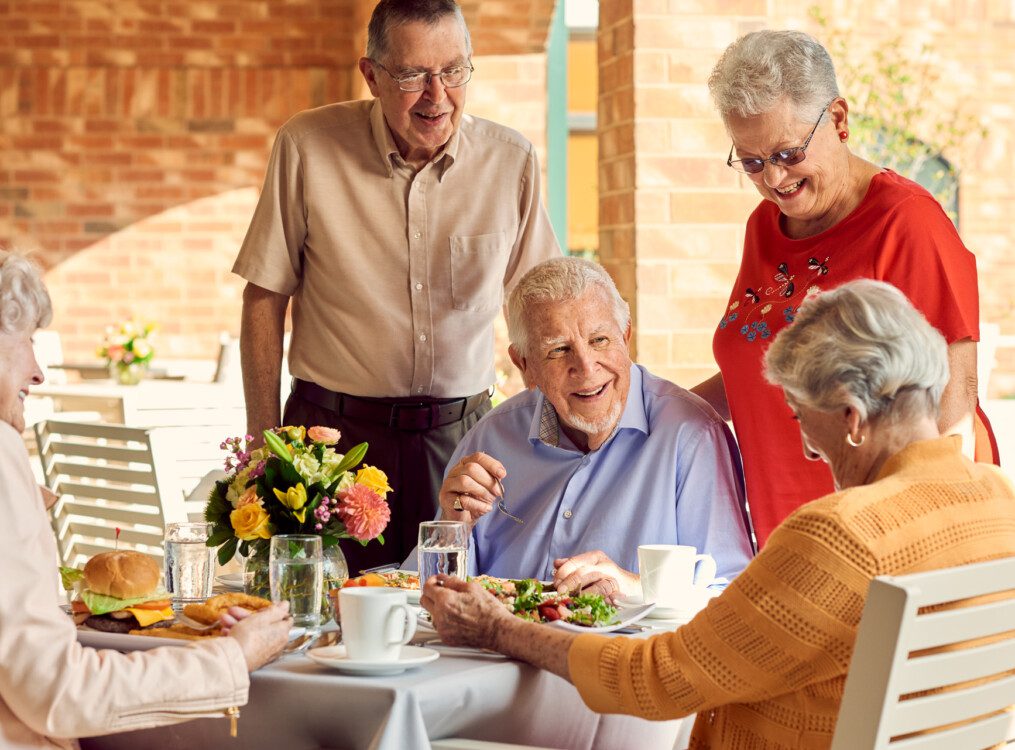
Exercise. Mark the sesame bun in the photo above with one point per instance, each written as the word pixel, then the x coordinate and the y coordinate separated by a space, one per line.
pixel 122 574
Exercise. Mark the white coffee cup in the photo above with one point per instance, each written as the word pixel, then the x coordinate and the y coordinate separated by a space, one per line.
pixel 669 573
pixel 376 622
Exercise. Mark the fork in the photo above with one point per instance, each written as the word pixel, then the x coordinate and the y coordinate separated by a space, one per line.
pixel 502 507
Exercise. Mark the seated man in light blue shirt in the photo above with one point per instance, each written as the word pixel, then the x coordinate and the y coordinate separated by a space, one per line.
pixel 598 454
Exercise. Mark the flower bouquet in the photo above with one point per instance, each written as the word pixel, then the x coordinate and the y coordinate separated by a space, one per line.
pixel 127 350
pixel 297 483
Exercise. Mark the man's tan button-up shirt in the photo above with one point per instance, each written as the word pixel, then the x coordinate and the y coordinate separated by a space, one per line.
pixel 396 274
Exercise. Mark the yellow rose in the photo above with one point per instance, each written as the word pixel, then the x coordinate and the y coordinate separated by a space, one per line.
pixel 374 478
pixel 250 522
pixel 294 498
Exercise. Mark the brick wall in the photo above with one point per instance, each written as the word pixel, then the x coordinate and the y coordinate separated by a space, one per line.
pixel 673 214
pixel 134 137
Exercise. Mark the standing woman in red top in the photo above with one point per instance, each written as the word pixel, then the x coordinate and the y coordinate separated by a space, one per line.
pixel 828 216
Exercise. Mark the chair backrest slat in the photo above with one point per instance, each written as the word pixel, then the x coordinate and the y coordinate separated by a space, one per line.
pixel 80 490
pixel 109 473
pixel 939 670
pixel 887 663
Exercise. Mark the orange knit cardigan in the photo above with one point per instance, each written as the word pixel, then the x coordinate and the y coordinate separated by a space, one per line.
pixel 764 665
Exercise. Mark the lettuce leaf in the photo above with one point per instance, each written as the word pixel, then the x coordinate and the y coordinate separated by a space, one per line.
pixel 69 577
pixel 100 604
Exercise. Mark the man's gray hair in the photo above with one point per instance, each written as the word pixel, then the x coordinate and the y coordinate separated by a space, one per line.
pixel 559 280
pixel 389 14
pixel 762 67
pixel 24 301
pixel 861 345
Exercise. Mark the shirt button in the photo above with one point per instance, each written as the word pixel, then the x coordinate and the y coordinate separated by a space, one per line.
pixel 422 337
pixel 419 390
pixel 418 286
pixel 568 514
pixel 416 235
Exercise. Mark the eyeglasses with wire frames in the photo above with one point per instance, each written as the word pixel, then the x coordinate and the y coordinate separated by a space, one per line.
pixel 452 78
pixel 785 158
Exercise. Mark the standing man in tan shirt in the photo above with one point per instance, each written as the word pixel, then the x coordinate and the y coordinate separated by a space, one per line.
pixel 395 225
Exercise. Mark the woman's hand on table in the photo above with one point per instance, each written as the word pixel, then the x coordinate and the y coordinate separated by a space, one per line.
pixel 261 635
pixel 464 614
pixel 470 489
pixel 594 573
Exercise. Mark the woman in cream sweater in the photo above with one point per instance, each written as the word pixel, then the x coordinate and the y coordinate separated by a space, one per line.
pixel 52 689
pixel 764 664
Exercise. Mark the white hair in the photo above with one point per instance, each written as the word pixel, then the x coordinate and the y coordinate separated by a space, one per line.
pixel 761 68
pixel 24 301
pixel 862 345
pixel 558 280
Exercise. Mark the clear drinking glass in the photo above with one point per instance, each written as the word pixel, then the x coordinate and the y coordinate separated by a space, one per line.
pixel 443 548
pixel 189 562
pixel 296 575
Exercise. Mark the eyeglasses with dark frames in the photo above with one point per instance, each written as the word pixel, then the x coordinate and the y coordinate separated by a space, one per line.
pixel 785 158
pixel 452 78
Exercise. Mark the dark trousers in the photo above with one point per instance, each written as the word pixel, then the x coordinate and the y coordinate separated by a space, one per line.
pixel 414 461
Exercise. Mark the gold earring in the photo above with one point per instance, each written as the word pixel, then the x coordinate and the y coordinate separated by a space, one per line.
pixel 852 442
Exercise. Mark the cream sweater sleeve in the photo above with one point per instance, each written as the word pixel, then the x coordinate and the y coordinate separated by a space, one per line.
pixel 52 685
pixel 787 621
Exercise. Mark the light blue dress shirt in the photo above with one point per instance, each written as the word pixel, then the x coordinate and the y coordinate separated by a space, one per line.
pixel 669 474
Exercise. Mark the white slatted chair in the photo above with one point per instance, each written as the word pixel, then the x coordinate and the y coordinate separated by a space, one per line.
pixel 462 744
pixel 111 476
pixel 884 667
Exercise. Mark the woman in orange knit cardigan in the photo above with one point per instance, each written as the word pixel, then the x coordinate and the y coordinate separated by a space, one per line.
pixel 764 664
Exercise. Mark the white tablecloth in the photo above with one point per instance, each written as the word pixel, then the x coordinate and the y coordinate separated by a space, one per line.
pixel 297 704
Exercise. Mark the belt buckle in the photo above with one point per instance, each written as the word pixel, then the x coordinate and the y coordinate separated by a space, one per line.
pixel 431 419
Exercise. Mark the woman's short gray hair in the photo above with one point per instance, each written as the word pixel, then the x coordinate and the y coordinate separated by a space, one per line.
pixel 559 280
pixel 861 345
pixel 24 301
pixel 388 14
pixel 762 67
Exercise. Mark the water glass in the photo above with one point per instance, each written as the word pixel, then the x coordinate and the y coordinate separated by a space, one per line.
pixel 443 548
pixel 189 562
pixel 296 575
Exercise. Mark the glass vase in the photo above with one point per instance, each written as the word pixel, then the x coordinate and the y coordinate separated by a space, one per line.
pixel 127 374
pixel 336 573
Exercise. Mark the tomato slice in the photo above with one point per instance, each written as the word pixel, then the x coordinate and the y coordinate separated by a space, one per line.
pixel 549 611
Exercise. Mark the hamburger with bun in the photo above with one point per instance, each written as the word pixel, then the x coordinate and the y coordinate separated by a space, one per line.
pixel 120 591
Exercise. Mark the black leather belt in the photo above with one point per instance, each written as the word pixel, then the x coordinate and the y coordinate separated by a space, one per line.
pixel 395 413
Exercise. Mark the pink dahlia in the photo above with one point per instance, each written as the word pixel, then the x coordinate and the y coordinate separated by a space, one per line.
pixel 363 511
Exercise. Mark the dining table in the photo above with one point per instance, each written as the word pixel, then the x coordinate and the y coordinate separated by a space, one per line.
pixel 299 704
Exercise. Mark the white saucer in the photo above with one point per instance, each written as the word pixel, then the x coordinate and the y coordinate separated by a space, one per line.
pixel 335 656
pixel 232 581
pixel 683 614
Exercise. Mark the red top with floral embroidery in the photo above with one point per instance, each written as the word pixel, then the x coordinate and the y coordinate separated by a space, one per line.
pixel 898 234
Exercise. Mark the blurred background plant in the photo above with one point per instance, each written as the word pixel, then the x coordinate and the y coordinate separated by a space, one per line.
pixel 897 117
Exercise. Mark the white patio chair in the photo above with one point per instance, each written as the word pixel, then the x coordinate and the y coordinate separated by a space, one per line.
pixel 890 662
pixel 111 476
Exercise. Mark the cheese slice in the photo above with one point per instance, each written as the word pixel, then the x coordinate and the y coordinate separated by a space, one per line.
pixel 146 617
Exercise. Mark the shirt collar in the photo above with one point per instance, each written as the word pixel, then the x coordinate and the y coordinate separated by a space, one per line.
pixel 545 426
pixel 388 149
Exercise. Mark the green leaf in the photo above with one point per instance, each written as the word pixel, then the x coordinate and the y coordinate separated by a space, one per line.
pixel 220 535
pixel 70 576
pixel 277 446
pixel 100 604
pixel 380 538
pixel 328 540
pixel 352 458
pixel 227 551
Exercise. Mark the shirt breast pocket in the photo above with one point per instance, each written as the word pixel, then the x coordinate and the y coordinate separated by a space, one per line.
pixel 478 264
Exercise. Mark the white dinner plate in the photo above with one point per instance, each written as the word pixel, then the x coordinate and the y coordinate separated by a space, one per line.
pixel 336 657
pixel 125 641
pixel 231 581
pixel 626 615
